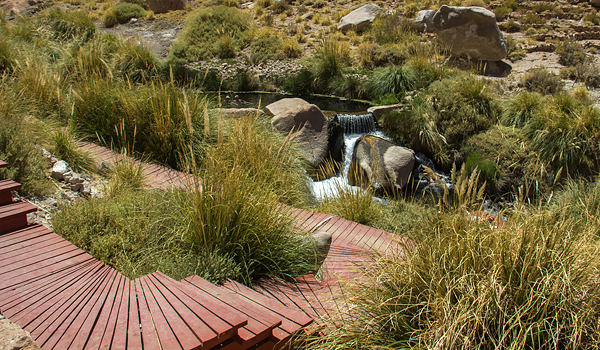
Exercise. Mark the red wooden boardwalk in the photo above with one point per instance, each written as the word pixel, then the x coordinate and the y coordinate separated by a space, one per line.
pixel 67 299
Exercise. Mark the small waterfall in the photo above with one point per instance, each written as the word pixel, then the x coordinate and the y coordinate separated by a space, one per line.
pixel 357 123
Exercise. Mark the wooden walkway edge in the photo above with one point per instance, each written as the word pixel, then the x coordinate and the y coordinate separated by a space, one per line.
pixel 67 299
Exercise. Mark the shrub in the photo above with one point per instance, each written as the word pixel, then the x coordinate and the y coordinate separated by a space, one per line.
pixel 268 44
pixel 392 29
pixel 7 55
pixel 392 80
pixel 67 26
pixel 542 81
pixel 125 11
pixel 521 109
pixel 501 12
pixel 354 204
pixel 300 83
pixel 592 18
pixel 570 53
pixel 280 6
pixel 319 4
pixel 126 176
pixel 200 38
pixel 109 19
pixel 291 48
pixel 511 26
pixel 532 18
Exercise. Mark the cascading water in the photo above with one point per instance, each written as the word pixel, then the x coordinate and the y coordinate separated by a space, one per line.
pixel 355 126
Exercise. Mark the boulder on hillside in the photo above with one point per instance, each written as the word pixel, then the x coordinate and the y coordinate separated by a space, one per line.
pixel 164 6
pixel 470 31
pixel 309 124
pixel 424 20
pixel 19 7
pixel 381 164
pixel 359 19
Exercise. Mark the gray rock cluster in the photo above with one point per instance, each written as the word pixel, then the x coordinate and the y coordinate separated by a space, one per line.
pixel 71 180
pixel 268 69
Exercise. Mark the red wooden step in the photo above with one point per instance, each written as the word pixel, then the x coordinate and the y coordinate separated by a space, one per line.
pixel 292 318
pixel 14 216
pixel 260 325
pixel 6 188
pixel 3 164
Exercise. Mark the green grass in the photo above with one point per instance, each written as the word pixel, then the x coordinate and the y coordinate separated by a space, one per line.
pixel 65 147
pixel 392 80
pixel 200 38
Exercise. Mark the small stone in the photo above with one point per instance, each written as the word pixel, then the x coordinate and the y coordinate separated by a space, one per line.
pixel 76 187
pixel 86 188
pixel 67 176
pixel 58 169
pixel 46 154
pixel 76 179
pixel 105 167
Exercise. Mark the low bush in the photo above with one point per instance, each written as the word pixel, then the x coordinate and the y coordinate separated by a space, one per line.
pixel 200 37
pixel 124 11
pixel 570 53
pixel 542 81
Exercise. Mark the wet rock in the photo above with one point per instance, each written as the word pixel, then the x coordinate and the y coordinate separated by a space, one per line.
pixel 380 164
pixel 470 31
pixel 58 169
pixel 359 19
pixel 380 111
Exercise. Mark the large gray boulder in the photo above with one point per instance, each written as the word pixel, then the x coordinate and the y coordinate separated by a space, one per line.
pixel 424 20
pixel 164 6
pixel 470 31
pixel 380 164
pixel 359 19
pixel 309 124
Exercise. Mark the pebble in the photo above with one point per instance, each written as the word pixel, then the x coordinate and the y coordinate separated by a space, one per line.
pixel 264 69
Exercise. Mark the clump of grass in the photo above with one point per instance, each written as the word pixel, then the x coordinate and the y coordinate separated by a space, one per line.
pixel 331 57
pixel 521 109
pixel 26 164
pixel 200 37
pixel 65 147
pixel 466 283
pixel 354 204
pixel 564 134
pixel 542 81
pixel 122 12
pixel 127 175
pixel 392 80
pixel 135 62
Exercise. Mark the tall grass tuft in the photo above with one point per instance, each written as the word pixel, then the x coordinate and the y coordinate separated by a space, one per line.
pixel 331 56
pixel 392 80
pixel 521 109
pixel 65 147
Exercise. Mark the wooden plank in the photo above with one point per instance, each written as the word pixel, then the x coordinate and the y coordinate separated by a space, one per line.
pixel 23 274
pixel 259 323
pixel 6 188
pixel 77 329
pixel 115 336
pixel 22 262
pixel 3 164
pixel 134 335
pixel 23 235
pixel 165 317
pixel 207 337
pixel 164 333
pixel 27 245
pixel 149 334
pixel 293 314
pixel 220 317
pixel 32 299
pixel 107 316
pixel 45 325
